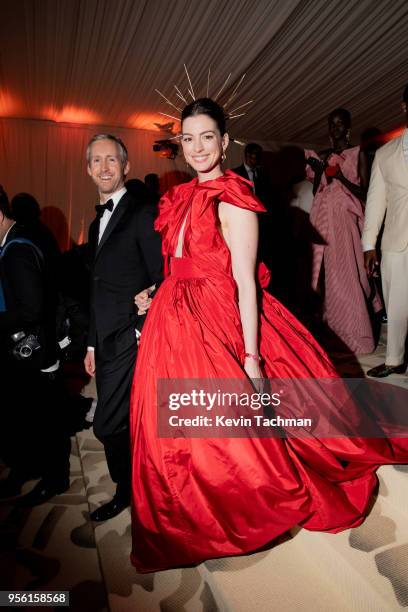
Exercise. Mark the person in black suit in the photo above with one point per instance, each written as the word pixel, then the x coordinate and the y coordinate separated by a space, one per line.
pixel 126 259
pixel 34 441
pixel 26 211
pixel 251 169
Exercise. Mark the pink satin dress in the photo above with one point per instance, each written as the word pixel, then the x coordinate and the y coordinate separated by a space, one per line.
pixel 338 217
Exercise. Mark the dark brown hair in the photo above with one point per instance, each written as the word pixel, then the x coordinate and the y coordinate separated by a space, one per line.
pixel 206 106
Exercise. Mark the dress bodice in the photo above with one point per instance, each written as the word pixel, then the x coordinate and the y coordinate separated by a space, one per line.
pixel 192 208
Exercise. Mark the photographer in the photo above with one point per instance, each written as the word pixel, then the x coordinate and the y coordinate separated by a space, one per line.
pixel 33 436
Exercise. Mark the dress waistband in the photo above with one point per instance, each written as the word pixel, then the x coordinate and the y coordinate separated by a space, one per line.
pixel 184 267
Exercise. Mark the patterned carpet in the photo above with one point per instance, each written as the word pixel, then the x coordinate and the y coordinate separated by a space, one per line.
pixel 54 546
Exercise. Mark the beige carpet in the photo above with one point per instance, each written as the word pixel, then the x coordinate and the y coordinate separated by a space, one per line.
pixel 54 546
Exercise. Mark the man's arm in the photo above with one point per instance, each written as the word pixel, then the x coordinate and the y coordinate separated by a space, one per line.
pixel 89 361
pixel 25 287
pixel 150 246
pixel 375 208
pixel 92 327
pixel 374 215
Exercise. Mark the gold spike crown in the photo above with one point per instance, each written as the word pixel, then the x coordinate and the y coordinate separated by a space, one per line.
pixel 230 115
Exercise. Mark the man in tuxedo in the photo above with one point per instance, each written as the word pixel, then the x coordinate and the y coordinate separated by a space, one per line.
pixel 251 169
pixel 34 439
pixel 388 197
pixel 125 259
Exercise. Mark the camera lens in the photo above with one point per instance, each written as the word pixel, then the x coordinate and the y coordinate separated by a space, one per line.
pixel 26 351
pixel 18 336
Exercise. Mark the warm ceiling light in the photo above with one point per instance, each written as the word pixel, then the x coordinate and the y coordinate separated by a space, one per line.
pixel 71 114
pixel 8 105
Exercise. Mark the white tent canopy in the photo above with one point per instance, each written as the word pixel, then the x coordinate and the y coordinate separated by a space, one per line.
pixel 69 64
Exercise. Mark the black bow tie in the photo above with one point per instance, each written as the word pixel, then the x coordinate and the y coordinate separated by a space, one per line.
pixel 100 208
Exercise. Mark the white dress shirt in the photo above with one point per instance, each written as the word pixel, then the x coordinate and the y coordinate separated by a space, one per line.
pixel 104 220
pixel 3 242
pixel 251 174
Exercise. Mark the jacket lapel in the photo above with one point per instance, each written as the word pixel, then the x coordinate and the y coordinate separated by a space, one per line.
pixel 93 238
pixel 113 221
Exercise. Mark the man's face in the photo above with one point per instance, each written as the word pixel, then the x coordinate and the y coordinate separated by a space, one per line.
pixel 106 169
pixel 253 160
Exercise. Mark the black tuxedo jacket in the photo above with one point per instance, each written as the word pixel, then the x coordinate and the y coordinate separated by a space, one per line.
pixel 241 170
pixel 262 187
pixel 127 260
pixel 30 297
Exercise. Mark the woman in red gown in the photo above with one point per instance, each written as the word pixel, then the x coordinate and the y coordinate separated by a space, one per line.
pixel 200 498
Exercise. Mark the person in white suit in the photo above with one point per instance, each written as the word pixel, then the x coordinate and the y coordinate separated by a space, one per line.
pixel 388 197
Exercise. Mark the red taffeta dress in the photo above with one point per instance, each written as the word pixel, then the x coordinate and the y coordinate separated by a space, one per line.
pixel 200 498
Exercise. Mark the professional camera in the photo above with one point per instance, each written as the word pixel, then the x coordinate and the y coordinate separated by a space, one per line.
pixel 166 148
pixel 24 345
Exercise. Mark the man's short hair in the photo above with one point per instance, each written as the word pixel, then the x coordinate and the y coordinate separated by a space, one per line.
pixel 253 147
pixel 5 204
pixel 25 208
pixel 123 153
pixel 405 95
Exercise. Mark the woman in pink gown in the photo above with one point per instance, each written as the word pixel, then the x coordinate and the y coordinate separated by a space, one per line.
pixel 340 182
pixel 196 498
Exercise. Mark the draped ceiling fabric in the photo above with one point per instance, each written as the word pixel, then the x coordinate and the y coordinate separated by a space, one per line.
pixel 70 68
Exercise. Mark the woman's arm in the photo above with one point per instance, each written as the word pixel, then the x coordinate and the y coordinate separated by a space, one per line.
pixel 359 191
pixel 316 162
pixel 240 231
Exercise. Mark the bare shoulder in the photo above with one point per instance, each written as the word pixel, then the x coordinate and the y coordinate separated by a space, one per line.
pixel 236 219
pixel 233 210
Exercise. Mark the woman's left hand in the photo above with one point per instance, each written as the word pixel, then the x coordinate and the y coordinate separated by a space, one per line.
pixel 254 372
pixel 143 301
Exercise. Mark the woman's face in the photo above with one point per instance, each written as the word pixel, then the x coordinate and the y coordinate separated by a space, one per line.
pixel 338 128
pixel 203 145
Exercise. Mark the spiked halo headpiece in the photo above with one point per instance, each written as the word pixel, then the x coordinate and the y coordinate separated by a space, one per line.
pixel 229 115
